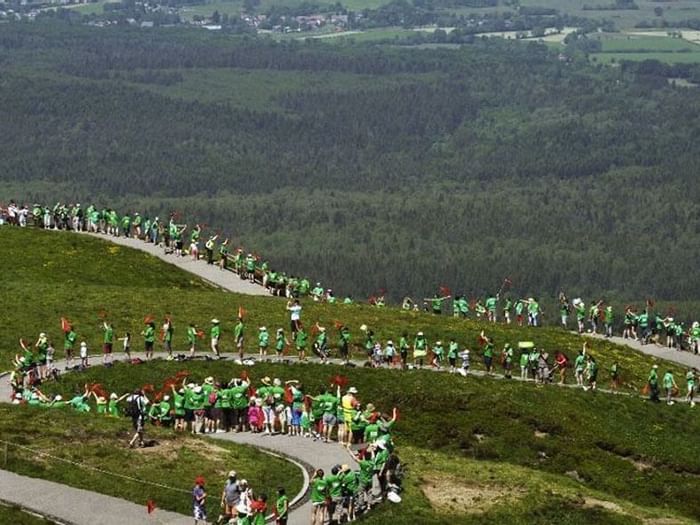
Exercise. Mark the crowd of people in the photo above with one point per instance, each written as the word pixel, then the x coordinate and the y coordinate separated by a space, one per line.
pixel 182 240
pixel 268 407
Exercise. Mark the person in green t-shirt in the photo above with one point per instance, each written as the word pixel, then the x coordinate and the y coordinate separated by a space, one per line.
pixel 214 335
pixel 281 507
pixel 68 344
pixel 420 349
pixel 108 342
pixel 608 320
pixel 281 342
pixel 300 342
pixel 149 338
pixel 524 362
pixel 670 386
pixel 319 493
pixel 263 341
pixel 592 372
pixel 488 351
pixel 615 376
pixel 653 383
pixel 238 332
pixel 192 335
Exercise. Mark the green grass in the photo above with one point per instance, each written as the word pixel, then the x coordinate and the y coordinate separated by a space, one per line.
pixel 17 516
pixel 456 434
pixel 99 441
pixel 84 279
pixel 671 58
pixel 618 445
pixel 92 8
pixel 231 7
pixel 648 44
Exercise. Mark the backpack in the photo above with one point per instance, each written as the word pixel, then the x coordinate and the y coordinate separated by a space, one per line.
pixel 132 408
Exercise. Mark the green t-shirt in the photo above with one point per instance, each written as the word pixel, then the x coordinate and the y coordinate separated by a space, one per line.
pixel 215 331
pixel 668 380
pixel 263 339
pixel 109 334
pixel 149 334
pixel 282 506
pixel 319 490
pixel 69 340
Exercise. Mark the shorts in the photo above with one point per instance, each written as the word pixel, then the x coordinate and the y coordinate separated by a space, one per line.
pixel 107 348
pixel 329 420
pixel 453 361
pixel 296 418
pixel 239 343
pixel 269 413
pixel 137 422
pixel 189 415
pixel 200 513
pixel 149 346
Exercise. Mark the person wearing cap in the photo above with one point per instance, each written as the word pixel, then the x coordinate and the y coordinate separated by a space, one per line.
pixel 199 501
pixel 230 497
pixel 420 349
pixel 349 404
pixel 438 354
pixel 214 334
pixel 209 248
pixel 263 341
pixel 389 353
pixel 653 382
pixel 281 342
pixel 113 404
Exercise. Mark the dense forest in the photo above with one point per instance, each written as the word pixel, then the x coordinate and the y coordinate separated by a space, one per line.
pixel 370 166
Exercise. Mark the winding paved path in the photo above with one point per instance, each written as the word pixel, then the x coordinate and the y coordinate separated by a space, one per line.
pixel 211 273
pixel 78 507
pixel 81 507
pixel 231 282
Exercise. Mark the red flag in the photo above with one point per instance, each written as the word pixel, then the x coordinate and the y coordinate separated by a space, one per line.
pixel 482 340
pixel 65 325
pixel 98 390
pixel 339 380
pixel 314 330
pixel 148 388
pixel 288 396
pixel 150 506
pixel 200 334
pixel 444 290
pixel 241 312
pixel 148 319
pixel 338 325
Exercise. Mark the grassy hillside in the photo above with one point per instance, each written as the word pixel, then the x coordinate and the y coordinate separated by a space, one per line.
pixel 18 517
pixel 479 450
pixel 454 431
pixel 95 441
pixel 87 279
